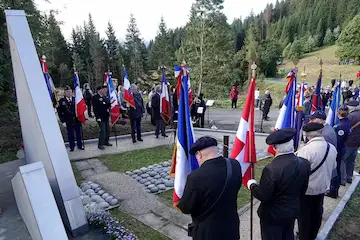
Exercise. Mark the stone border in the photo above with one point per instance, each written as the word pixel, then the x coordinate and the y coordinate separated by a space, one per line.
pixel 323 234
pixel 128 136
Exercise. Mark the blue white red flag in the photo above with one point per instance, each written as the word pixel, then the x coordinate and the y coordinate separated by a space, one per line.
pixel 286 118
pixel 332 118
pixel 316 102
pixel 47 77
pixel 80 106
pixel 179 72
pixel 244 150
pixel 183 161
pixel 165 100
pixel 128 97
pixel 115 109
pixel 301 96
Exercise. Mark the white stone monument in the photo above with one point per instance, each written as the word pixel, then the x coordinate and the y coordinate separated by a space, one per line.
pixel 40 130
pixel 36 203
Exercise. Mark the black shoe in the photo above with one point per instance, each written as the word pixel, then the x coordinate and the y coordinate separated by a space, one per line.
pixel 157 136
pixel 71 149
pixel 349 181
pixel 134 141
pixel 140 140
pixel 81 148
pixel 343 184
pixel 101 147
pixel 165 135
pixel 108 144
pixel 331 194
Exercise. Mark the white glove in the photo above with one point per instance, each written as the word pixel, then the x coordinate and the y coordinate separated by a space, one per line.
pixel 251 181
pixel 99 120
pixel 64 124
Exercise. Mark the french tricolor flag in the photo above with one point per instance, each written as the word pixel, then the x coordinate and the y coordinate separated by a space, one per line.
pixel 286 118
pixel 332 118
pixel 128 97
pixel 244 149
pixel 115 109
pixel 179 72
pixel 80 106
pixel 183 161
pixel 164 100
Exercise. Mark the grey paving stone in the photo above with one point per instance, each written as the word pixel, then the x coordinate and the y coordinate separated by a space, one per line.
pixel 95 162
pixel 87 173
pixel 101 169
pixel 152 220
pixel 82 165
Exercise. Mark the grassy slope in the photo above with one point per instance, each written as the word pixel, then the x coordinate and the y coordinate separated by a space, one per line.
pixel 331 68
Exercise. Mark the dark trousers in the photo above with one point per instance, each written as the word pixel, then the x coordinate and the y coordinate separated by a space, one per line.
pixel 88 104
pixel 257 103
pixel 335 181
pixel 72 130
pixel 283 230
pixel 202 120
pixel 309 220
pixel 104 133
pixel 233 103
pixel 136 127
pixel 348 164
pixel 160 126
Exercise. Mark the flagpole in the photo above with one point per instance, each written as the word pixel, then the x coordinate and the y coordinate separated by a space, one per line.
pixel 252 104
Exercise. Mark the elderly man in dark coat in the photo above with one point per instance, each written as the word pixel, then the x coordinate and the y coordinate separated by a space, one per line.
pixel 267 105
pixel 210 194
pixel 155 105
pixel 136 114
pixel 283 182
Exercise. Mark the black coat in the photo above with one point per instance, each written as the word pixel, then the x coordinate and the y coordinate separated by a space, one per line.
pixel 66 111
pixel 101 107
pixel 137 112
pixel 282 183
pixel 155 105
pixel 203 187
pixel 267 103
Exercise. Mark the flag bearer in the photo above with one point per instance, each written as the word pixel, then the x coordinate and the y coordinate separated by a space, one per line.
pixel 66 112
pixel 283 182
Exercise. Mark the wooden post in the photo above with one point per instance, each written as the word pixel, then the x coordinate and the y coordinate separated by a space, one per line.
pixel 226 146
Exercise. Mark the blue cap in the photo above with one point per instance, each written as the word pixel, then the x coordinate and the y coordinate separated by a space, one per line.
pixel 318 114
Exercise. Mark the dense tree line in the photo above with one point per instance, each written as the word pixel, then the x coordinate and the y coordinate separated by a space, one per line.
pixel 218 53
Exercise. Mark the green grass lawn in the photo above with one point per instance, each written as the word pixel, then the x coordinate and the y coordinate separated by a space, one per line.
pixel 243 195
pixel 347 225
pixel 129 161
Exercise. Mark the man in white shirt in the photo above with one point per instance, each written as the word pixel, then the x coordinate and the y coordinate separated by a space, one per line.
pixel 322 158
pixel 257 97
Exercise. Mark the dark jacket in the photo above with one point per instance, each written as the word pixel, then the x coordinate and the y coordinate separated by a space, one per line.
pixel 282 183
pixel 66 111
pixel 88 95
pixel 267 103
pixel 342 131
pixel 203 187
pixel 137 112
pixel 354 139
pixel 155 105
pixel 101 107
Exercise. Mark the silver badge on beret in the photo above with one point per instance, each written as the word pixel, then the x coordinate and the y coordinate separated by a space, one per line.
pixel 341 133
pixel 101 99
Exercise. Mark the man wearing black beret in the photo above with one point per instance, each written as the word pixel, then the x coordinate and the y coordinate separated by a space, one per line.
pixel 352 143
pixel 67 115
pixel 210 194
pixel 282 183
pixel 322 158
pixel 327 132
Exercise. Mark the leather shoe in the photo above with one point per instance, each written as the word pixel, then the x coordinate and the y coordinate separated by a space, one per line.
pixel 134 141
pixel 349 181
pixel 343 184
pixel 108 144
pixel 81 148
pixel 157 136
pixel 332 195
pixel 140 140
pixel 71 150
pixel 165 135
pixel 101 147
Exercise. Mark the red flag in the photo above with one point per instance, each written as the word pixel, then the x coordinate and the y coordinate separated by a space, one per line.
pixel 244 146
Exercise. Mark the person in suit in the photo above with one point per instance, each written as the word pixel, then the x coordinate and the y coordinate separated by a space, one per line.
pixel 101 105
pixel 283 182
pixel 88 94
pixel 201 116
pixel 209 197
pixel 67 115
pixel 136 114
pixel 267 104
pixel 159 121
pixel 342 130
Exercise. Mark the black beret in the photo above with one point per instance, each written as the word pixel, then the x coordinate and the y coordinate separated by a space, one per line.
pixel 318 114
pixel 101 87
pixel 313 126
pixel 202 143
pixel 353 103
pixel 67 87
pixel 281 136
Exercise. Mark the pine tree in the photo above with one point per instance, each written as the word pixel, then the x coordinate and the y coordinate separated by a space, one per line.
pixel 296 50
pixel 349 40
pixel 309 45
pixel 112 45
pixel 337 32
pixel 329 37
pixel 320 33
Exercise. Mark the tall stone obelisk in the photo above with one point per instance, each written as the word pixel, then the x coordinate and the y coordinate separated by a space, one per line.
pixel 40 130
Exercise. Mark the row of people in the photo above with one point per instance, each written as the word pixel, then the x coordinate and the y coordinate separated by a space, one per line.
pixel 292 186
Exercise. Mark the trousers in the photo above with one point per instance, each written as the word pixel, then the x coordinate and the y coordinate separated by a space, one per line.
pixel 104 133
pixel 335 181
pixel 309 220
pixel 233 103
pixel 160 127
pixel 72 130
pixel 88 104
pixel 283 230
pixel 136 127
pixel 348 164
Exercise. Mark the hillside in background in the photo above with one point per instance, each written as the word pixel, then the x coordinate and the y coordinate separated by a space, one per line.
pixel 331 67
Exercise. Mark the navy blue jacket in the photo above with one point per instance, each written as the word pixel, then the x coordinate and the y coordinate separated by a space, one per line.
pixel 137 112
pixel 66 111
pixel 342 131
